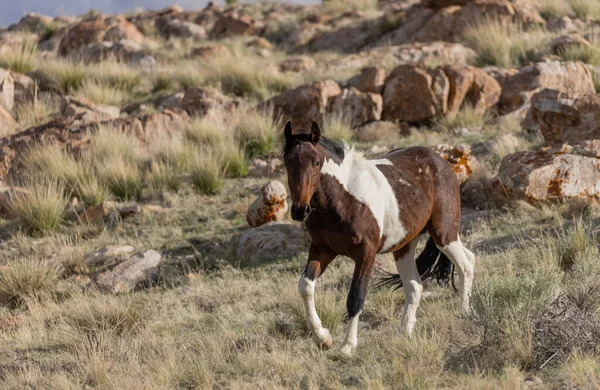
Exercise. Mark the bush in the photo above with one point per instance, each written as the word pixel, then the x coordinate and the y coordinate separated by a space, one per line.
pixel 110 143
pixel 25 279
pixel 39 206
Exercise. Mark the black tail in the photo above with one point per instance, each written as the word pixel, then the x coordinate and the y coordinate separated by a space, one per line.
pixel 431 264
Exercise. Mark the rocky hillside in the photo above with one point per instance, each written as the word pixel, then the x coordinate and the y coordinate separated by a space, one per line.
pixel 143 195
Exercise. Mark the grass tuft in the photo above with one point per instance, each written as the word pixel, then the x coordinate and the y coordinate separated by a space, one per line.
pixel 207 172
pixel 337 127
pixel 256 132
pixel 467 117
pixel 28 279
pixel 21 59
pixel 585 9
pixel 122 177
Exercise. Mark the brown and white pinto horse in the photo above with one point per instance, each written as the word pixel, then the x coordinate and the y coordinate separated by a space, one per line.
pixel 359 208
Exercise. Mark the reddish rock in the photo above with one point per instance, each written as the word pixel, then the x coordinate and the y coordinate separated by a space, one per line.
pixel 86 110
pixel 232 24
pixel 81 35
pixel 414 94
pixel 471 86
pixel 122 29
pixel 305 103
pixel 563 118
pixel 94 214
pixel 557 172
pixel 357 107
pixel 573 78
pixel 370 79
pixel 460 159
pixel 269 206
pixel 34 23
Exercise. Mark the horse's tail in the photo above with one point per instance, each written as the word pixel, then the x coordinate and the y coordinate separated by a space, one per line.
pixel 431 264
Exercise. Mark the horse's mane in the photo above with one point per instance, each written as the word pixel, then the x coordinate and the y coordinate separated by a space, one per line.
pixel 336 147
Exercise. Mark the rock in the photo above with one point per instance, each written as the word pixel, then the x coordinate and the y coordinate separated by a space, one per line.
pixel 573 78
pixel 170 101
pixel 34 23
pixel 370 79
pixel 297 64
pixel 94 214
pixel 129 274
pixel 158 124
pixel 81 35
pixel 557 172
pixel 261 168
pixel 566 25
pixel 270 205
pixel 460 159
pixel 108 253
pixel 7 90
pixel 271 241
pixel 232 24
pixel 350 37
pixel 123 50
pixel 122 29
pixel 305 103
pixel 563 118
pixel 208 101
pixel 413 94
pixel 357 107
pixel 24 87
pixel 211 51
pixel 473 87
pixel 86 110
pixel 8 125
pixel 182 29
pixel 129 211
pixel 560 44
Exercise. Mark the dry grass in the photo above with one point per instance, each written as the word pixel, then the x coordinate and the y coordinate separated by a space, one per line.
pixel 257 132
pixel 585 9
pixel 343 6
pixel 101 93
pixel 207 172
pixel 555 9
pixel 123 178
pixel 336 127
pixel 108 143
pixel 466 118
pixel 22 59
pixel 207 131
pixel 38 111
pixel 586 54
pixel 28 279
pixel 506 45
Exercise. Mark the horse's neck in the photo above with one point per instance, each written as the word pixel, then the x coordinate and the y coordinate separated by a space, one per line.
pixel 335 173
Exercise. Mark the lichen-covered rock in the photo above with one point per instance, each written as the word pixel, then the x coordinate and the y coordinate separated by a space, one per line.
pixel 564 118
pixel 357 107
pixel 551 173
pixel 460 159
pixel 126 276
pixel 571 77
pixel 271 241
pixel 270 205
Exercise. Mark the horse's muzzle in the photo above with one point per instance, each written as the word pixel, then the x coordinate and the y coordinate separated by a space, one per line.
pixel 299 213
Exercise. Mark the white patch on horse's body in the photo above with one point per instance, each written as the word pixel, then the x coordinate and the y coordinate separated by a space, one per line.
pixel 364 181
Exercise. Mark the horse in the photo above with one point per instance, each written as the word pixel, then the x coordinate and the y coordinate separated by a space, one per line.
pixel 360 207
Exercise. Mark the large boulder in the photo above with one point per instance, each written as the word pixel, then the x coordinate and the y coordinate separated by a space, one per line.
pixel 122 29
pixel 305 103
pixel 7 90
pixel 25 88
pixel 571 77
pixel 357 107
pixel 122 50
pixel 81 35
pixel 270 205
pixel 552 173
pixel 564 118
pixel 34 23
pixel 414 94
pixel 460 159
pixel 473 87
pixel 126 276
pixel 232 24
pixel 271 241
pixel 206 101
pixel 370 79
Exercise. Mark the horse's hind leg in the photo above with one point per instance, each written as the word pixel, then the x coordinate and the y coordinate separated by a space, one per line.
pixel 464 260
pixel 413 288
pixel 318 260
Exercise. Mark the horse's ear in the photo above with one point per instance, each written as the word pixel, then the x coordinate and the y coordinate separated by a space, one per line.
pixel 287 132
pixel 315 133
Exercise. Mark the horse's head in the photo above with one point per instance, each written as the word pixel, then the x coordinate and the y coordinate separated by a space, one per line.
pixel 303 162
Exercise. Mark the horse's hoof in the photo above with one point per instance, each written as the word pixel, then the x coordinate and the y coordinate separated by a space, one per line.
pixel 346 350
pixel 325 345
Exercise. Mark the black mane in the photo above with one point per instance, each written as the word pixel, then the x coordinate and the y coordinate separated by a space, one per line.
pixel 336 147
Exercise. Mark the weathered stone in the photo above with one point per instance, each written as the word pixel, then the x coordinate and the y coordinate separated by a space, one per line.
pixel 108 253
pixel 183 29
pixel 211 51
pixel 270 205
pixel 86 110
pixel 351 37
pixel 24 87
pixel 94 214
pixel 126 276
pixel 271 241
pixel 297 64
pixel 232 24
pixel 81 35
pixel 7 90
pixel 262 168
pixel 122 29
pixel 34 23
pixel 573 78
pixel 370 79
pixel 129 211
pixel 460 159
pixel 170 101
pixel 560 44
pixel 557 172
pixel 413 94
pixel 305 103
pixel 13 40
pixel 563 118
pixel 122 50
pixel 473 87
pixel 207 101
pixel 357 107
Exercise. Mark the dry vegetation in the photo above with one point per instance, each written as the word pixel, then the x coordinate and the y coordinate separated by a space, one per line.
pixel 211 319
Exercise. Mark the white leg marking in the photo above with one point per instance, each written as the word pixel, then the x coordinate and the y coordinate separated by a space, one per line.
pixel 320 335
pixel 352 336
pixel 464 260
pixel 413 289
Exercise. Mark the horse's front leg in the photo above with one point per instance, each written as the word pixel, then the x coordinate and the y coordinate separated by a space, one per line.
pixel 318 260
pixel 356 299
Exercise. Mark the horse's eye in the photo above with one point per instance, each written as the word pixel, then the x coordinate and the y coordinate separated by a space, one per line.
pixel 317 163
